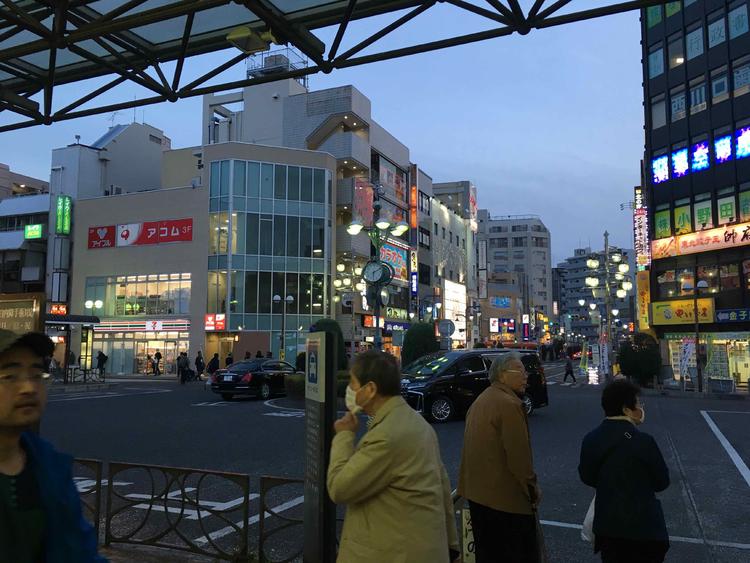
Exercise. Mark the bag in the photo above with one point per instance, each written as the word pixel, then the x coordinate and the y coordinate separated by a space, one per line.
pixel 587 531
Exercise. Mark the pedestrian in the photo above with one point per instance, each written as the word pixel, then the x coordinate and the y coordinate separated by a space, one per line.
pixel 101 362
pixel 395 470
pixel 149 363
pixel 569 370
pixel 229 360
pixel 200 364
pixel 269 355
pixel 626 468
pixel 183 366
pixel 40 506
pixel 248 355
pixel 71 359
pixel 213 365
pixel 497 474
pixel 258 354
pixel 157 363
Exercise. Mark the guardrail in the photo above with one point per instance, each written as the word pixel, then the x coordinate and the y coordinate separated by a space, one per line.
pixel 267 513
pixel 89 486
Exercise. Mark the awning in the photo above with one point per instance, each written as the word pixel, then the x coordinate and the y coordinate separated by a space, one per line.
pixel 11 240
pixel 71 320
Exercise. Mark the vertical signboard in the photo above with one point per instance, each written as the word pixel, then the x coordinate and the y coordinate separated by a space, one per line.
pixel 643 287
pixel 63 214
pixel 320 408
pixel 640 230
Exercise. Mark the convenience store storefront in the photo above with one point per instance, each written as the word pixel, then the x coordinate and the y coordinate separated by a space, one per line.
pixel 724 355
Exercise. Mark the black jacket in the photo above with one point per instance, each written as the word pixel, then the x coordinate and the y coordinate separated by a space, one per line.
pixel 626 472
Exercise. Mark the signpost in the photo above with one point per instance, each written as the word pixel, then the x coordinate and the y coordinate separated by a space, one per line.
pixel 446 328
pixel 320 410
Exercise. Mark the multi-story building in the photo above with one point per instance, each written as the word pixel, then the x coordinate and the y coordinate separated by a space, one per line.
pixel 521 244
pixel 696 80
pixel 576 318
pixel 502 311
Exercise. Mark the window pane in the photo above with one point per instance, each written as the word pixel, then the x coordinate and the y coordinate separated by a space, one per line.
pixel 278 289
pixel 719 87
pixel 738 21
pixel 730 276
pixel 678 106
pixel 238 233
pixel 318 297
pixel 251 292
pixel 717 33
pixel 676 52
pixel 306 187
pixel 685 281
pixel 279 235
pixel 265 240
pixel 653 16
pixel 741 78
pixel 671 8
pixel 215 179
pixel 305 281
pixel 694 43
pixel 698 98
pixel 224 187
pixel 305 237
pixel 319 186
pixel 703 215
pixel 238 183
pixel 266 180
pixel 264 292
pixel 251 236
pixel 293 183
pixel 708 279
pixel 318 237
pixel 291 289
pixel 656 63
pixel 292 236
pixel 279 190
pixel 746 273
pixel 253 179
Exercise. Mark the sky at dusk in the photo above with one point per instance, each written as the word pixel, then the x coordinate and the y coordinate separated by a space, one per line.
pixel 550 123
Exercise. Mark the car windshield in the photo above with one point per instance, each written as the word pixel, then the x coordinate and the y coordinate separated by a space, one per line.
pixel 427 366
pixel 246 366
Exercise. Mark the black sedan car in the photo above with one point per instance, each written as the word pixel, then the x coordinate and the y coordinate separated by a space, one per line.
pixel 260 378
pixel 443 385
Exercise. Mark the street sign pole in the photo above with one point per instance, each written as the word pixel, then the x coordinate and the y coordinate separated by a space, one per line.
pixel 320 410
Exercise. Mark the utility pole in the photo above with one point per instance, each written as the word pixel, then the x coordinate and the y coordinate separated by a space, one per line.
pixel 608 304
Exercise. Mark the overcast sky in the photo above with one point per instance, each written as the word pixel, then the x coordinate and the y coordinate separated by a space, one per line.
pixel 548 124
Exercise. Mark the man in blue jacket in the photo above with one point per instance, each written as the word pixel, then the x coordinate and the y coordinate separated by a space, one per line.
pixel 40 510
pixel 626 467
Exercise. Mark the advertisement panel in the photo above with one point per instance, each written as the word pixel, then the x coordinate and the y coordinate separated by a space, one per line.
pixel 745 206
pixel 362 209
pixel 500 302
pixel 31 232
pixel 662 224
pixel 398 258
pixel 482 284
pixel 454 307
pixel 139 234
pixel 63 213
pixel 640 238
pixel 682 311
pixel 711 239
pixel 702 215
pixel 682 223
pixel 101 237
pixel 215 322
pixel 494 325
pixel 643 287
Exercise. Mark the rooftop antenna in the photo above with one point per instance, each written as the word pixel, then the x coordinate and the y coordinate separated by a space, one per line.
pixel 78 139
pixel 111 118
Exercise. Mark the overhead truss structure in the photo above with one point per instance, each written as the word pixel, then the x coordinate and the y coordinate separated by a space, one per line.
pixel 45 44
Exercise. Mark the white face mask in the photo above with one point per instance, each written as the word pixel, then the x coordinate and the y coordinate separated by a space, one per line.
pixel 351 400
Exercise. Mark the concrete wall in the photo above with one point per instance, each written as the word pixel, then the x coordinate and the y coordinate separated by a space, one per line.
pixel 136 144
pixel 168 258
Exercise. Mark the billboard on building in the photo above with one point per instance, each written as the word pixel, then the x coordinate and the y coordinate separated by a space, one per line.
pixel 678 312
pixel 454 307
pixel 139 234
pixel 643 287
pixel 398 258
pixel 640 230
pixel 63 214
pixel 494 325
pixel 362 208
pixel 733 236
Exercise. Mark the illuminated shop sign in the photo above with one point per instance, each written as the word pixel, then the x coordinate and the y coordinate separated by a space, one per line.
pixel 702 241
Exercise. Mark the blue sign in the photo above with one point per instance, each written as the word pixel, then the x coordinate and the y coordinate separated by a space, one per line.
pixel 732 315
pixel 500 302
pixel 414 283
pixel 390 326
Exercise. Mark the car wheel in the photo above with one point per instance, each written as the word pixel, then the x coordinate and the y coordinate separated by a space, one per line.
pixel 528 405
pixel 441 409
pixel 265 391
pixel 226 396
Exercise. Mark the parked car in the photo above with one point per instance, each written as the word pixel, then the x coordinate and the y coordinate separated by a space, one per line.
pixel 262 378
pixel 443 385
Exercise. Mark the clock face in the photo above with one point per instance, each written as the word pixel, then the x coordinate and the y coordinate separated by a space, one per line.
pixel 372 272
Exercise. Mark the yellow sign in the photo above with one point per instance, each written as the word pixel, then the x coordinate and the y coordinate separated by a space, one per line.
pixel 680 312
pixel 682 223
pixel 643 287
pixel 414 261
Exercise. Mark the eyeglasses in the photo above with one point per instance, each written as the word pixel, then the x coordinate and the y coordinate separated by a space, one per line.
pixel 523 371
pixel 15 378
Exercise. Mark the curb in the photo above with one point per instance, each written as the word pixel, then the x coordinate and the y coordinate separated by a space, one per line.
pixel 678 394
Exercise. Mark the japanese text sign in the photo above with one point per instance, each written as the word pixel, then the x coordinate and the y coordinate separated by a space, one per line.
pixel 140 234
pixel 398 258
pixel 682 311
pixel 702 241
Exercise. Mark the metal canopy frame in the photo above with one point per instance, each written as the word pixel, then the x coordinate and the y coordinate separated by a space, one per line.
pixel 48 43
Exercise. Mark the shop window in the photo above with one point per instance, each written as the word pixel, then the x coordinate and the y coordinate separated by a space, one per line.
pixel 745 206
pixel 730 277
pixel 218 237
pixel 676 51
pixel 685 281
pixel 746 273
pixel 708 276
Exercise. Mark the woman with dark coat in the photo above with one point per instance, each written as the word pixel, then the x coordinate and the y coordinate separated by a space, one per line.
pixel 626 467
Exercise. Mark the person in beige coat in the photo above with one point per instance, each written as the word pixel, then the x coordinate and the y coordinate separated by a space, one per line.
pixel 497 475
pixel 393 482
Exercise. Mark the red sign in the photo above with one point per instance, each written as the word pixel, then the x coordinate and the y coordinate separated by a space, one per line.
pixel 368 321
pixel 102 237
pixel 58 309
pixel 216 322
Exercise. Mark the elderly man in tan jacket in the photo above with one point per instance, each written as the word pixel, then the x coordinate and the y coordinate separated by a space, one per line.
pixel 393 482
pixel 497 476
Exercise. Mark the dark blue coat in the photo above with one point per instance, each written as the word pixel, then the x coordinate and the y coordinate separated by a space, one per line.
pixel 626 473
pixel 69 537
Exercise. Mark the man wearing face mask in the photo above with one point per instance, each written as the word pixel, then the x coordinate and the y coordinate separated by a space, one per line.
pixel 626 467
pixel 393 482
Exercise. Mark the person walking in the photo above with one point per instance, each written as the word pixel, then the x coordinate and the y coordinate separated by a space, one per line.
pixel 183 365
pixel 101 362
pixel 213 365
pixel 497 474
pixel 200 364
pixel 40 508
pixel 229 360
pixel 157 363
pixel 626 468
pixel 393 482
pixel 258 354
pixel 569 370
pixel 248 355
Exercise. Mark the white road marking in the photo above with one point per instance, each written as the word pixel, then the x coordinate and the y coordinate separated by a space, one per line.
pixel 106 396
pixel 731 412
pixel 190 513
pixel 285 414
pixel 211 404
pixel 679 539
pixel 250 522
pixel 84 485
pixel 733 455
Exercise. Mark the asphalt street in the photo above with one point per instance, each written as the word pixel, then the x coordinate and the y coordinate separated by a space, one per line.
pixel 704 441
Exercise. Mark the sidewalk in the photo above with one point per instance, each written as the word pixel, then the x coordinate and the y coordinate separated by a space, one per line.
pixel 138 554
pixel 61 388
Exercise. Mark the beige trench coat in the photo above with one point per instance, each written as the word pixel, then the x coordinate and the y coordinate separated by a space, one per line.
pixel 396 491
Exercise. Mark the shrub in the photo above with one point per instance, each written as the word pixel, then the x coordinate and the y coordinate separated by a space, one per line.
pixel 295 385
pixel 640 359
pixel 419 341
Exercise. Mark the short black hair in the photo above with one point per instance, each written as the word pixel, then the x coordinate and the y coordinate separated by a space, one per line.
pixel 618 394
pixel 380 368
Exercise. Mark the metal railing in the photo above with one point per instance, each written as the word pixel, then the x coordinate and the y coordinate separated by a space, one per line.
pixel 89 486
pixel 172 514
pixel 268 513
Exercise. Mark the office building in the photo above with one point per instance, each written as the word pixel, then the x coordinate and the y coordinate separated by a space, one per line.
pixel 696 81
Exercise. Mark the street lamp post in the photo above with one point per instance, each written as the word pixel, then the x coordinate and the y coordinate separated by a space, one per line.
pixel 282 341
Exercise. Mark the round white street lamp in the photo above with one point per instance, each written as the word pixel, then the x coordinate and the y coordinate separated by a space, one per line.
pixel 615 312
pixel 383 224
pixel 621 293
pixel 355 227
pixel 88 304
pixel 592 306
pixel 592 263
pixel 627 285
pixel 624 268
pixel 581 302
